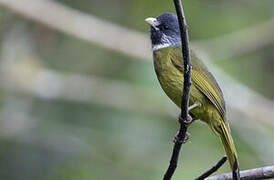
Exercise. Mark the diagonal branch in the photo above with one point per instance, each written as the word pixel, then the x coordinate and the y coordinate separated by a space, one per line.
pixel 213 169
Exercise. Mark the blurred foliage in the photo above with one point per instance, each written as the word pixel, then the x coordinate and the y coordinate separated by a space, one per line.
pixel 59 139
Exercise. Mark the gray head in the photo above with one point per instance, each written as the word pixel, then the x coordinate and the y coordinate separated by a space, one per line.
pixel 164 31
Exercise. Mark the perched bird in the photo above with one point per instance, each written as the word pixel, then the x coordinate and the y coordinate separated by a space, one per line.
pixel 205 91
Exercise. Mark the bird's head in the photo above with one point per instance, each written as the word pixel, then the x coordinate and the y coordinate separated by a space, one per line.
pixel 164 31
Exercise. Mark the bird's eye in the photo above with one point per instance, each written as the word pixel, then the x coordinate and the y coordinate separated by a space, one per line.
pixel 166 27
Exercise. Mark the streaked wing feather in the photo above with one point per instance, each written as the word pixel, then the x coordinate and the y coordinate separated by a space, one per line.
pixel 202 79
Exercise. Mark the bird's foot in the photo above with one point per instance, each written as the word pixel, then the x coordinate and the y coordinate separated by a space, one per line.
pixel 187 122
pixel 177 139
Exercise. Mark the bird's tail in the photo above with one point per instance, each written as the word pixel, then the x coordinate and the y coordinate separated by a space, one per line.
pixel 224 133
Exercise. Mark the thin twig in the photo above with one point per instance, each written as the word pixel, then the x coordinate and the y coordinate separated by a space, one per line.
pixel 187 58
pixel 266 172
pixel 213 169
pixel 183 119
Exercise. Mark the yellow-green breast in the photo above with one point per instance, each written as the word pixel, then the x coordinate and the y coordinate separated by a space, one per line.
pixel 205 92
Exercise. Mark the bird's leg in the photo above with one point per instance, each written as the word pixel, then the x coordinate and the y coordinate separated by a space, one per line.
pixel 193 106
pixel 187 123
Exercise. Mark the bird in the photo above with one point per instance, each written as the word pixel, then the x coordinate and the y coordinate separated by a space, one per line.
pixel 205 92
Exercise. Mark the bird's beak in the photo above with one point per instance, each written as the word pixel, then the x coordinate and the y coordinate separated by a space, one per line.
pixel 152 21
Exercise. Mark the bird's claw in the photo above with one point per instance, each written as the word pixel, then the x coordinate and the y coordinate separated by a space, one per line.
pixel 186 122
pixel 177 139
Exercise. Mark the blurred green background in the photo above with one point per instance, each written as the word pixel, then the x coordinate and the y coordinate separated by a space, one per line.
pixel 64 107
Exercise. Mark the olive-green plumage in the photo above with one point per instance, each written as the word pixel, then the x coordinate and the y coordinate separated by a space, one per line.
pixel 205 92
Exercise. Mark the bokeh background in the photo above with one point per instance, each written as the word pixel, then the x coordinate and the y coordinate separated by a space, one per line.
pixel 75 107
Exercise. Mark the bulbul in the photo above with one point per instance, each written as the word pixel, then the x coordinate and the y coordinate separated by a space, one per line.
pixel 205 91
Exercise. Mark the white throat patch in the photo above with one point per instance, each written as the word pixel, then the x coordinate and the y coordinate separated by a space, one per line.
pixel 160 46
pixel 166 42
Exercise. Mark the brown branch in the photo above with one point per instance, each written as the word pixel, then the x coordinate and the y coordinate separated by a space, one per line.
pixel 213 169
pixel 183 119
pixel 266 172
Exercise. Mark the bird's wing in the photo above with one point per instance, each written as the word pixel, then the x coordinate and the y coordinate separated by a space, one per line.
pixel 202 79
